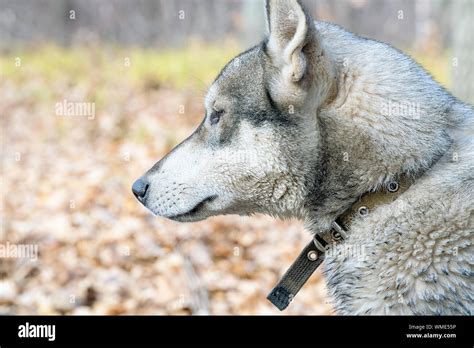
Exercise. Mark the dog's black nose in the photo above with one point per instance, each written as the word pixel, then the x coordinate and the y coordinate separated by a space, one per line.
pixel 139 188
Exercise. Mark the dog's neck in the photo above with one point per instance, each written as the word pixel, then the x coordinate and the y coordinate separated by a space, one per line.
pixel 357 155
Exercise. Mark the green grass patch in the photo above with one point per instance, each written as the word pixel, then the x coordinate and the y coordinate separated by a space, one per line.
pixel 194 65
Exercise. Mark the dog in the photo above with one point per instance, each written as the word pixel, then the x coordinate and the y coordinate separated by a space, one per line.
pixel 305 123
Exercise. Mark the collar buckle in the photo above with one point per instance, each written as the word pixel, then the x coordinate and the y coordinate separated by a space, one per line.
pixel 334 235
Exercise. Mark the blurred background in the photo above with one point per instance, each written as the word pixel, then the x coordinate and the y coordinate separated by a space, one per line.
pixel 93 93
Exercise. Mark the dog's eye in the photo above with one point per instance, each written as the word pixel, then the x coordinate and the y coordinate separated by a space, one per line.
pixel 216 116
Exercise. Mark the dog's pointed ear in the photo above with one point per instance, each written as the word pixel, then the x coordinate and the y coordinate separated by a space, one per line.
pixel 291 30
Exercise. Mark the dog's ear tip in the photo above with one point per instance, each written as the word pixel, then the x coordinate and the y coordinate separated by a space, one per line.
pixel 291 29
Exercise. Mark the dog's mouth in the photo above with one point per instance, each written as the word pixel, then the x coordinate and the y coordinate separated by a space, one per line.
pixel 188 216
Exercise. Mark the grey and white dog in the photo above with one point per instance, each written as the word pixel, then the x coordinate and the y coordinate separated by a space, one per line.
pixel 305 123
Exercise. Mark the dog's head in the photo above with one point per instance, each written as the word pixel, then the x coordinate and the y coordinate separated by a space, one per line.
pixel 257 146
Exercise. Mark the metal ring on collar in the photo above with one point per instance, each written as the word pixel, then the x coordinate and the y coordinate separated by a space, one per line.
pixel 336 235
pixel 312 255
pixel 393 186
pixel 363 211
